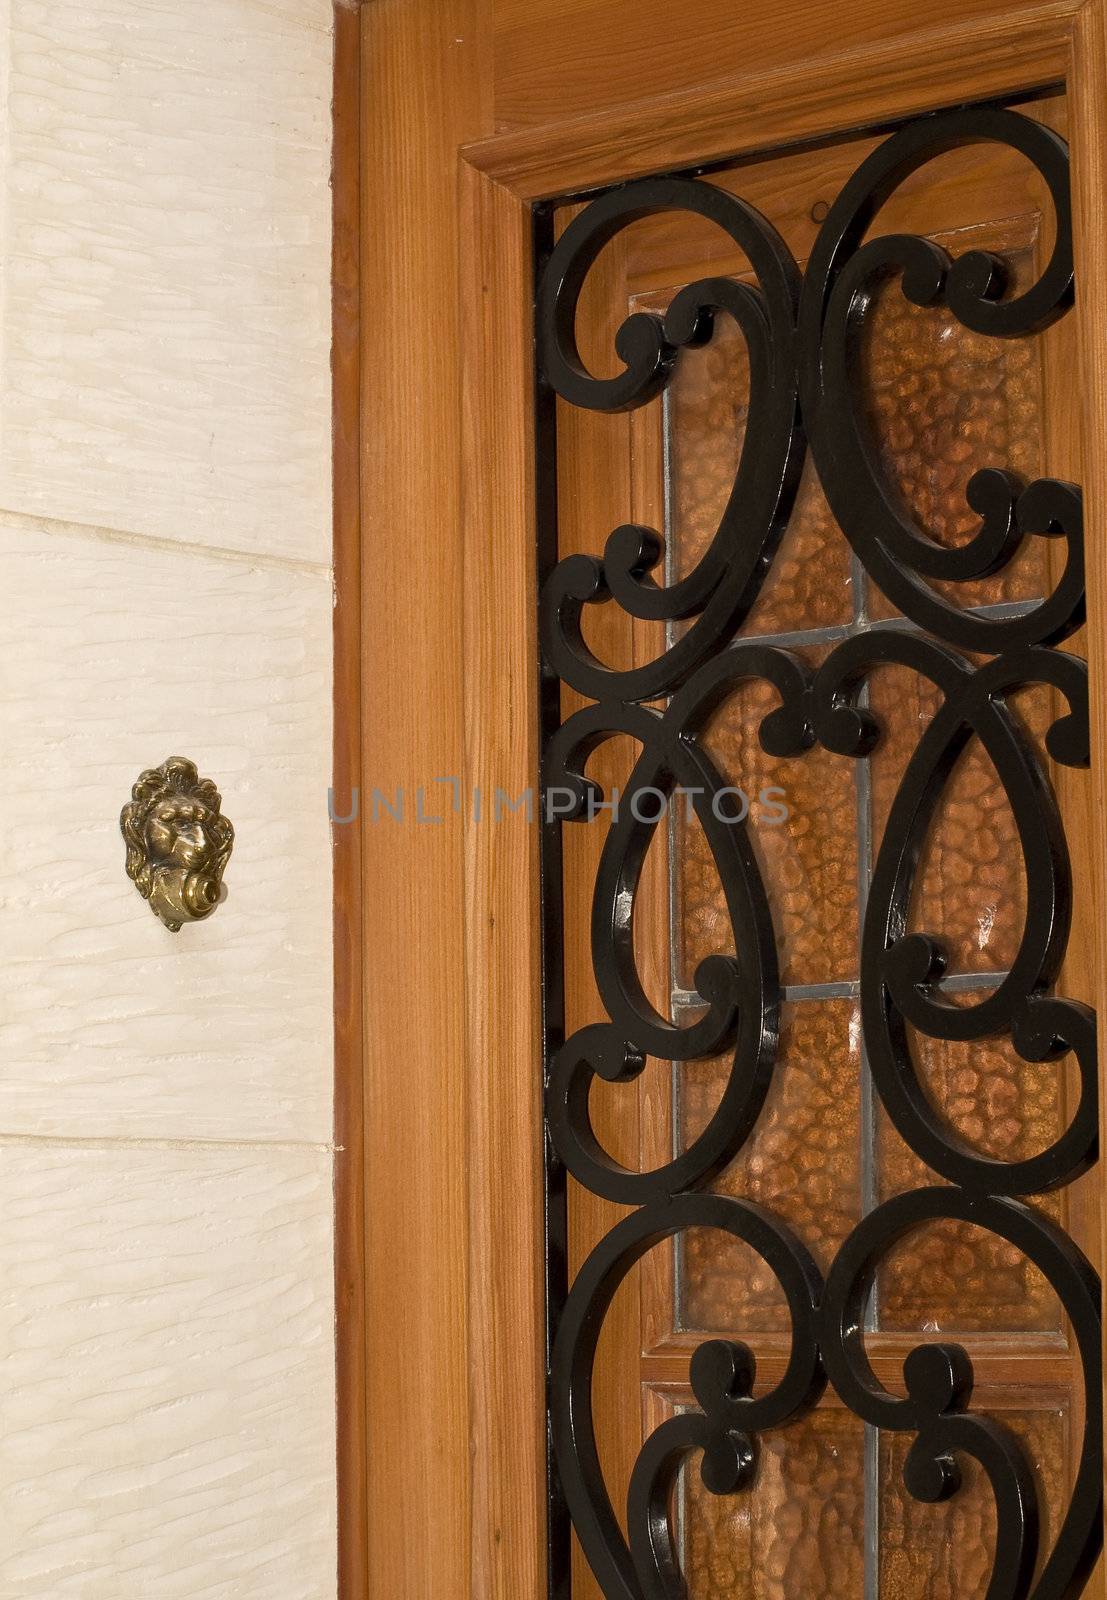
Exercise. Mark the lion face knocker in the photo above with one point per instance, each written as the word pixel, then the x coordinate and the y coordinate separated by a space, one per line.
pixel 178 842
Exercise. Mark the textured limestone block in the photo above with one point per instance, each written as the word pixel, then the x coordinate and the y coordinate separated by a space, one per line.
pixel 114 656
pixel 164 316
pixel 168 1402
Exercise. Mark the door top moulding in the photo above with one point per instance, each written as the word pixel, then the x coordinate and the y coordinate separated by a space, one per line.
pixel 998 55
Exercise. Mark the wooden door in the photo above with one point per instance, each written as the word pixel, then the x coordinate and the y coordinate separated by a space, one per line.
pixel 750 1014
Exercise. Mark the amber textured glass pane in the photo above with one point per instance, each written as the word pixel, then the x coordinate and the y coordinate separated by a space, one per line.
pixel 970 887
pixel 803 1163
pixel 798 1532
pixel 809 584
pixel 949 1276
pixel 944 1552
pixel 943 402
pixel 999 1104
pixel 808 857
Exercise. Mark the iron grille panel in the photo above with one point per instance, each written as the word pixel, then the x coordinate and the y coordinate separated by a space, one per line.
pixel 802 333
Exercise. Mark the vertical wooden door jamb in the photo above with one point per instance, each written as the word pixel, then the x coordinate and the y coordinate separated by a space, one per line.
pixel 424 90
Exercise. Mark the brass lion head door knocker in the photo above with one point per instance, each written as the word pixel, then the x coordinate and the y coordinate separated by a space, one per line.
pixel 178 842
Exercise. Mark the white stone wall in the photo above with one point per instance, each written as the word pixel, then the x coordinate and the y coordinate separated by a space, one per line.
pixel 166 1311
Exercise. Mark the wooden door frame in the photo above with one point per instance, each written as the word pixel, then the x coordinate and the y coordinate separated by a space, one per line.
pixel 493 1437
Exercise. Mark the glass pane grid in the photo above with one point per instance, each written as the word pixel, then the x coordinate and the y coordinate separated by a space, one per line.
pixel 685 1001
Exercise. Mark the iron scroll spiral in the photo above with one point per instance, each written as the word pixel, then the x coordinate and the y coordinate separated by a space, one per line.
pixel 801 335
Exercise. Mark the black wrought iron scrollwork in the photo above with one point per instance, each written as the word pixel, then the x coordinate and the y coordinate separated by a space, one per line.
pixel 742 993
pixel 841 277
pixel 939 1386
pixel 728 578
pixel 900 971
pixel 801 336
pixel 722 1376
